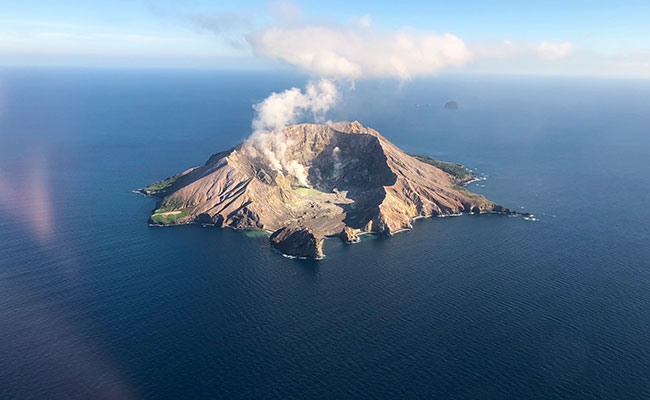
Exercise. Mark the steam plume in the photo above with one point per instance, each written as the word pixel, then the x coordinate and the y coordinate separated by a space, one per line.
pixel 282 109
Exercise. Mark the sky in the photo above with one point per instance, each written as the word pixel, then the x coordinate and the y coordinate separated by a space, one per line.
pixel 354 39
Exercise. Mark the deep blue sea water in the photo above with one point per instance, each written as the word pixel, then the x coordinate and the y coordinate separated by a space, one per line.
pixel 94 303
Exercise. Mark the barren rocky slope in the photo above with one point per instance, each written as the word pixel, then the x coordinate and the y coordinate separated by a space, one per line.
pixel 310 182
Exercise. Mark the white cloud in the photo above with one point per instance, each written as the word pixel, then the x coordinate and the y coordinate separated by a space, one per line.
pixel 546 50
pixel 360 52
pixel 553 50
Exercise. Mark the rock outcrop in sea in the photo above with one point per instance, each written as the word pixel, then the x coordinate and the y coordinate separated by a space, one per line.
pixel 336 180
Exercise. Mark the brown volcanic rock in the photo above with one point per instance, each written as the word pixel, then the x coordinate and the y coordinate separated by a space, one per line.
pixel 336 179
pixel 298 242
pixel 349 235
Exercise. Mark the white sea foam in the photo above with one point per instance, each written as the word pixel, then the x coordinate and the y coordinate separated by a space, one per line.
pixel 449 215
pixel 139 192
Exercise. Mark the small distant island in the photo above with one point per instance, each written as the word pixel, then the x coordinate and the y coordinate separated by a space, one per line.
pixel 337 180
pixel 451 105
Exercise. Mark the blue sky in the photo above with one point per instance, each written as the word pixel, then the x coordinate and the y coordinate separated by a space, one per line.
pixel 602 37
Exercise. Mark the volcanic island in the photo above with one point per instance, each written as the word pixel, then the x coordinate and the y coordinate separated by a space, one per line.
pixel 303 183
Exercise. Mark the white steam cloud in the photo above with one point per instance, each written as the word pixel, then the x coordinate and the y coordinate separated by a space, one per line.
pixel 269 139
pixel 361 52
pixel 281 109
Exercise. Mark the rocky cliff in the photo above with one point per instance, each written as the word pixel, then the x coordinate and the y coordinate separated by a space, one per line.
pixel 307 182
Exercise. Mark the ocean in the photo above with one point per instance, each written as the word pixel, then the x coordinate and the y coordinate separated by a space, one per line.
pixel 94 303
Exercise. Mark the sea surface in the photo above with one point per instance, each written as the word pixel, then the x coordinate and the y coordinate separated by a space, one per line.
pixel 94 303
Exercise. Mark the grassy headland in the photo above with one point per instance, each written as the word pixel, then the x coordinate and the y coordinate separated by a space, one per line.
pixel 159 188
pixel 456 170
pixel 168 214
pixel 168 218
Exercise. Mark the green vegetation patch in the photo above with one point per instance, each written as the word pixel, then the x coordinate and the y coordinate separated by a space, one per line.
pixel 456 170
pixel 168 206
pixel 161 187
pixel 307 191
pixel 168 217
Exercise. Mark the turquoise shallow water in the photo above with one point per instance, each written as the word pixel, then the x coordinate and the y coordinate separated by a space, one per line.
pixel 95 303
